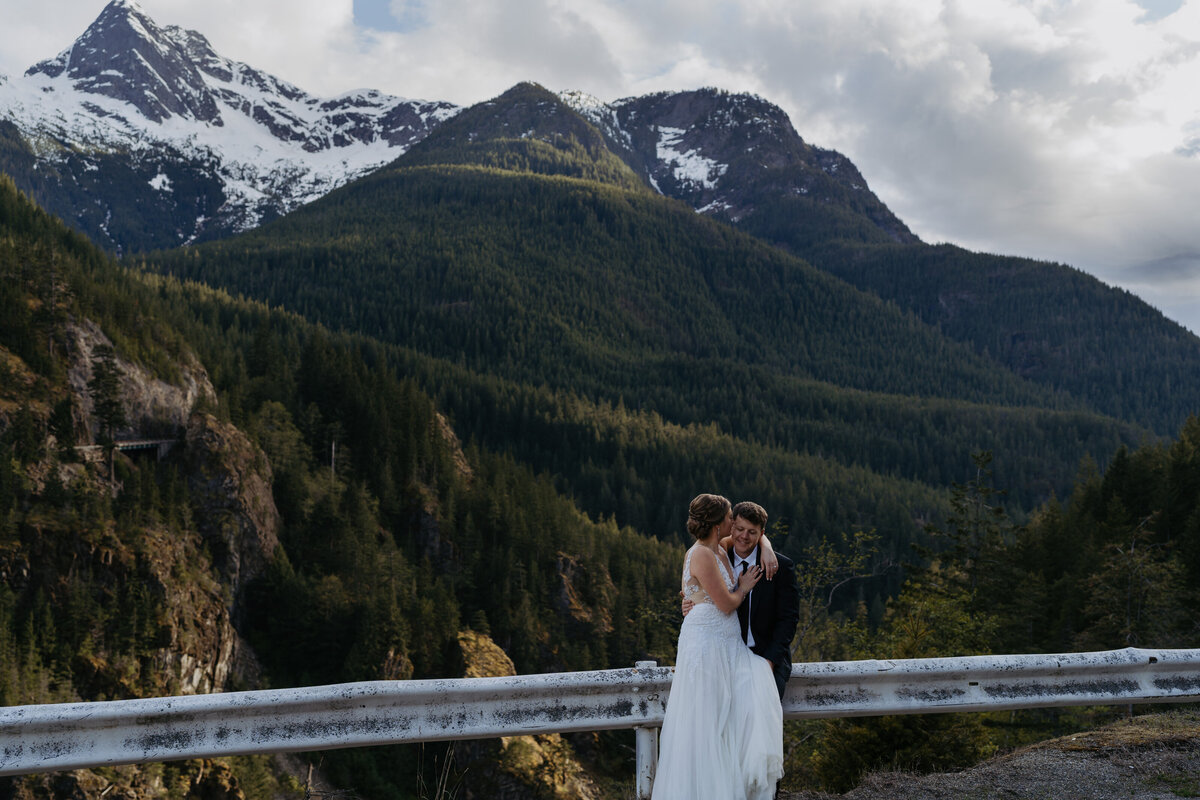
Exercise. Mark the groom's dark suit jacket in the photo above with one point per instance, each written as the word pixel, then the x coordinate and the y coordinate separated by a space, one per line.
pixel 774 612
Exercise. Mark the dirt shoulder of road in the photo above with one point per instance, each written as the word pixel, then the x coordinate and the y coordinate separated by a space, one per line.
pixel 1151 757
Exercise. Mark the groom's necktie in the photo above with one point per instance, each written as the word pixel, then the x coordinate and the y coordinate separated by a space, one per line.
pixel 744 609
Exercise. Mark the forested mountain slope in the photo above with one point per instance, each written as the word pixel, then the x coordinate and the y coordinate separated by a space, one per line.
pixel 736 157
pixel 1050 323
pixel 247 554
pixel 526 129
pixel 515 271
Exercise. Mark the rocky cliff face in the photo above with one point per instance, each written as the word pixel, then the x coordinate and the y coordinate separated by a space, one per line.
pixel 153 407
pixel 585 598
pixel 167 595
pixel 161 570
pixel 230 479
pixel 124 55
pixel 198 644
pixel 149 588
pixel 229 476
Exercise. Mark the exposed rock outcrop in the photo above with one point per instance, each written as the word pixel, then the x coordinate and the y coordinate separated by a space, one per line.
pixel 200 645
pixel 17 382
pixel 230 479
pixel 153 407
pixel 515 767
pixel 164 585
pixel 193 780
pixel 434 545
pixel 585 598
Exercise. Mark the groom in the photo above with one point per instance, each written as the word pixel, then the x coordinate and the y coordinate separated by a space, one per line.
pixel 772 610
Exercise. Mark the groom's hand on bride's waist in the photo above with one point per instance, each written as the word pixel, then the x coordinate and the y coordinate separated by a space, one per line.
pixel 687 605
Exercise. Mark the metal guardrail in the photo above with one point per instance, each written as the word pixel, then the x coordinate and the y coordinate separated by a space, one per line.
pixel 992 683
pixel 76 735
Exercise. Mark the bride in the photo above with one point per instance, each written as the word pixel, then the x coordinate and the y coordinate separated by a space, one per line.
pixel 722 736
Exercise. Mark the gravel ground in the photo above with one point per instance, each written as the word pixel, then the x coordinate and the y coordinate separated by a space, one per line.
pixel 1155 757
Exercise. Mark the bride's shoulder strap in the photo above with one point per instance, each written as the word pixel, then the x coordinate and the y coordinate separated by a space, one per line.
pixel 687 559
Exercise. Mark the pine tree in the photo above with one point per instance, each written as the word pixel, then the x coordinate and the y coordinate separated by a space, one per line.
pixel 105 390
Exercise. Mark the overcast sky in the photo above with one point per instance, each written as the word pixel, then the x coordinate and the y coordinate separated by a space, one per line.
pixel 1066 131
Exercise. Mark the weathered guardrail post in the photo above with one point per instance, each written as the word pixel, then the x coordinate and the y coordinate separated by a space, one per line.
pixel 646 748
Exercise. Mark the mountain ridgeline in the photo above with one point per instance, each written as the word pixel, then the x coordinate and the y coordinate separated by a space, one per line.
pixel 83 133
pixel 527 130
pixel 1049 323
pixel 141 136
pixel 736 157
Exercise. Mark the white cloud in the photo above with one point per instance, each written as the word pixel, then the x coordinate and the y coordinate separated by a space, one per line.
pixel 1062 129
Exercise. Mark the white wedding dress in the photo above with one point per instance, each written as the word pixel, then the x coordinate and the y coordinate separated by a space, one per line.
pixel 722 737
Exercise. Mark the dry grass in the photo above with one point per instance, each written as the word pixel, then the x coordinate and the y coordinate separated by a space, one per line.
pixel 1150 757
pixel 1178 727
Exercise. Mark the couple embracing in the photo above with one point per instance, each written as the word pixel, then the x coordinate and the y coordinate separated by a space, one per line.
pixel 722 736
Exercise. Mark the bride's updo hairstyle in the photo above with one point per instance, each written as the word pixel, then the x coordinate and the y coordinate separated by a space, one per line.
pixel 705 511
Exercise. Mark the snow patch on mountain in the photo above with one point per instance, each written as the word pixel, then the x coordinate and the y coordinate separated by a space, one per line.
pixel 253 161
pixel 688 164
pixel 597 112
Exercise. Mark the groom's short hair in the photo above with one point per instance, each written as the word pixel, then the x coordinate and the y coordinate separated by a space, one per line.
pixel 752 513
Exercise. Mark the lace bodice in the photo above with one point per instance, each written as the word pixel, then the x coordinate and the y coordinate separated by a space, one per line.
pixel 692 589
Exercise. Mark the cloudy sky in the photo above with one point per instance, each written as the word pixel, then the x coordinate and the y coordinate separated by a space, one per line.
pixel 1066 131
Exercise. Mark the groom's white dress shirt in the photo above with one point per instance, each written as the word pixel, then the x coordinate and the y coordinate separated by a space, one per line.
pixel 738 569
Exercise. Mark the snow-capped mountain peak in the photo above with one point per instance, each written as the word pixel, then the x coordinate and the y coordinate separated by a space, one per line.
pixel 131 96
pixel 126 56
pixel 727 154
pixel 142 136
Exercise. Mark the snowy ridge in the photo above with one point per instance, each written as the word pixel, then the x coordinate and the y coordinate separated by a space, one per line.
pixel 144 137
pixel 131 89
pixel 730 155
pixel 597 112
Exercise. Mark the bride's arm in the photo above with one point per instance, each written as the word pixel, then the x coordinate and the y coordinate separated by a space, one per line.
pixel 705 570
pixel 770 563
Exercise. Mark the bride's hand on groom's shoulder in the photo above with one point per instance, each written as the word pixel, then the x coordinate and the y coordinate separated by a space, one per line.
pixel 770 565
